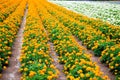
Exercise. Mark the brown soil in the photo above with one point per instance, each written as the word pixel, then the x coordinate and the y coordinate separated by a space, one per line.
pixel 11 73
pixel 103 67
pixel 56 63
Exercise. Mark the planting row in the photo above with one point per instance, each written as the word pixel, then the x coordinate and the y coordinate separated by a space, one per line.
pixel 36 63
pixel 5 12
pixel 8 31
pixel 107 12
pixel 95 39
pixel 4 3
pixel 113 32
pixel 77 64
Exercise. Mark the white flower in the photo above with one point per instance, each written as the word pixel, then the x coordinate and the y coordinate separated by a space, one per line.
pixel 103 10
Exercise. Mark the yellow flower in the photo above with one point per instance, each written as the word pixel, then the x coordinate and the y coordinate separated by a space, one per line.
pixel 50 72
pixel 112 48
pixel 88 68
pixel 71 78
pixel 49 77
pixel 6 62
pixel 77 79
pixel 52 66
pixel 4 67
pixel 0 45
pixel 105 77
pixel 32 73
pixel 41 72
pixel 80 71
pixel 111 67
pixel 111 55
pixel 87 75
pixel 25 69
pixel 81 75
pixel 0 75
pixel 116 65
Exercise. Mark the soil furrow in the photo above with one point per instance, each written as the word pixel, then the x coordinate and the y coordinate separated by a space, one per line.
pixel 56 63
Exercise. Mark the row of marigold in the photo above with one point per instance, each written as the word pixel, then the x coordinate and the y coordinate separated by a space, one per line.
pixel 8 8
pixel 4 3
pixel 99 36
pixel 111 31
pixel 8 31
pixel 36 63
pixel 77 64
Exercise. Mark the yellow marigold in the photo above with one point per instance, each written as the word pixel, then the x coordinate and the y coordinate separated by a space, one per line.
pixel 81 75
pixel 106 77
pixel 112 48
pixel 111 67
pixel 4 67
pixel 32 73
pixel 52 66
pixel 111 55
pixel 49 77
pixel 6 62
pixel 80 71
pixel 0 75
pixel 25 69
pixel 41 72
pixel 87 75
pixel 50 72
pixel 116 65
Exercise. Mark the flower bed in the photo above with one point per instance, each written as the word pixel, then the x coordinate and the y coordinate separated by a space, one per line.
pixel 8 31
pixel 9 8
pixel 36 63
pixel 77 64
pixel 107 12
pixel 94 33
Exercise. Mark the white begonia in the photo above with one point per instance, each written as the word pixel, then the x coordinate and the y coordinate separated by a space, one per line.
pixel 103 10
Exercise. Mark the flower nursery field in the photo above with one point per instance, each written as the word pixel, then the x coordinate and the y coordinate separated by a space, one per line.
pixel 106 11
pixel 40 40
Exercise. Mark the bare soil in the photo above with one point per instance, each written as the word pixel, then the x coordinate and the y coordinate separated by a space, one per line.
pixel 59 66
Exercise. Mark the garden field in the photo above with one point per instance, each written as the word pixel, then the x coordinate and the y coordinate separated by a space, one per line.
pixel 41 40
